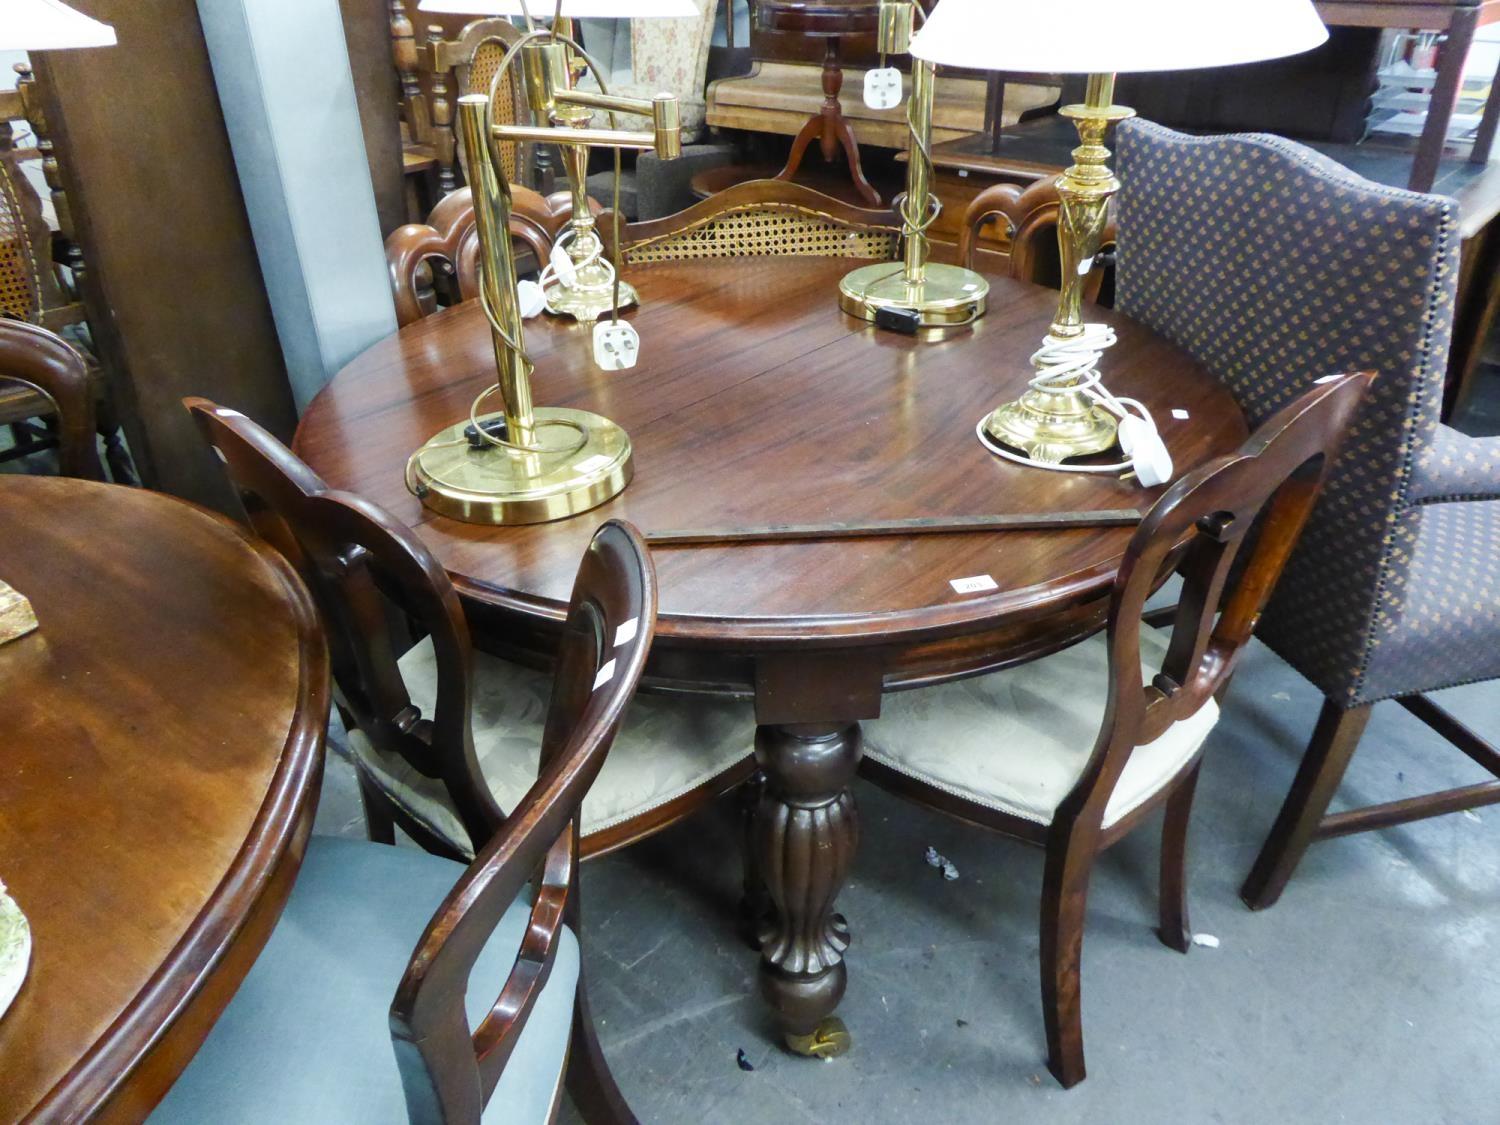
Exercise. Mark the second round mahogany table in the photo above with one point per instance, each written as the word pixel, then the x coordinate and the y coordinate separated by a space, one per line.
pixel 162 751
pixel 757 402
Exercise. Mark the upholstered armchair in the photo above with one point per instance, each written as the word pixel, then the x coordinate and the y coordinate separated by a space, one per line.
pixel 1275 267
pixel 649 56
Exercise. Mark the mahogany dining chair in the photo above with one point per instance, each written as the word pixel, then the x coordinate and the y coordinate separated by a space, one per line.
pixel 1071 752
pixel 473 976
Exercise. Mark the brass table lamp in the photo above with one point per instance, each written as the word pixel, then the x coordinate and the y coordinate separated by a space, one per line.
pixel 586 288
pixel 937 295
pixel 1061 416
pixel 527 464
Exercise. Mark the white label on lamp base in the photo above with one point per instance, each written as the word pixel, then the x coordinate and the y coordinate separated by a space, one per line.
pixel 589 464
pixel 605 674
pixel 626 631
pixel 883 88
pixel 973 585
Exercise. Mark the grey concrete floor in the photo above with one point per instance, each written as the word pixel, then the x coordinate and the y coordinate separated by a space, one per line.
pixel 1371 993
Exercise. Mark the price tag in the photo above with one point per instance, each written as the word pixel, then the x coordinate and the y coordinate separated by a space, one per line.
pixel 883 88
pixel 626 631
pixel 562 266
pixel 605 674
pixel 1180 415
pixel 973 585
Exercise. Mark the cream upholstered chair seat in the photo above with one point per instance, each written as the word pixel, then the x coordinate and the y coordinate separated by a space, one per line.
pixel 1018 740
pixel 668 746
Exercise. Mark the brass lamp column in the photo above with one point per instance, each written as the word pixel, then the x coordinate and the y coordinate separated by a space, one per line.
pixel 940 295
pixel 1059 421
pixel 526 463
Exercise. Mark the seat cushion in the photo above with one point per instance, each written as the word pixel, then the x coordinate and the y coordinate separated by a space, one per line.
pixel 306 1039
pixel 1438 623
pixel 666 747
pixel 1018 740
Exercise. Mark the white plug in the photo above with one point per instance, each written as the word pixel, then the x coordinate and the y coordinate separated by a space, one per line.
pixel 532 297
pixel 1148 454
pixel 562 267
pixel 883 88
pixel 617 345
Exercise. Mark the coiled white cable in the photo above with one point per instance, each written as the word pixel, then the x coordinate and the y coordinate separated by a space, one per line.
pixel 1073 364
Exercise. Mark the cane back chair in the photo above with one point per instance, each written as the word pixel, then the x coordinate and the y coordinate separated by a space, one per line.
pixel 490 1015
pixel 1030 216
pixel 763 218
pixel 450 240
pixel 1272 264
pixel 31 292
pixel 1070 752
pixel 445 738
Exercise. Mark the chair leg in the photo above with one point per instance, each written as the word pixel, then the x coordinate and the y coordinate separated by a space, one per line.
pixel 1065 891
pixel 1318 777
pixel 380 826
pixel 755 900
pixel 1173 927
pixel 589 1081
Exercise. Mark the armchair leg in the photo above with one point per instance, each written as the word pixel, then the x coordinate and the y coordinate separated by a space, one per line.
pixel 1174 929
pixel 1327 756
pixel 1064 906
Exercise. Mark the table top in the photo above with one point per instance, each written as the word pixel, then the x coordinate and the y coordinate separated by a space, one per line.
pixel 757 401
pixel 819 18
pixel 163 736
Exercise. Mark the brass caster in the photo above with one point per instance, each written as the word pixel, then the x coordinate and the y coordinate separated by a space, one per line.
pixel 829 1040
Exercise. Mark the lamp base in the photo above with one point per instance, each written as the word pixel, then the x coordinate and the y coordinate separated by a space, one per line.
pixel 1053 425
pixel 498 486
pixel 590 298
pixel 947 296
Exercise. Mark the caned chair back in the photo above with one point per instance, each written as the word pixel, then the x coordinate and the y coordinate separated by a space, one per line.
pixel 1273 266
pixel 763 218
pixel 35 361
pixel 1030 215
pixel 449 1070
pixel 359 563
pixel 1255 500
pixel 450 238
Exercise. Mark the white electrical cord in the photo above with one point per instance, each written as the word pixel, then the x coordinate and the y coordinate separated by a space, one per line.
pixel 1073 364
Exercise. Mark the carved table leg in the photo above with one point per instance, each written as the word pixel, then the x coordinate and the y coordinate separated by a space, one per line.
pixel 806 832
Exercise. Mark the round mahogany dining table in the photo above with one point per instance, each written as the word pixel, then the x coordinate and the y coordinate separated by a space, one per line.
pixel 755 402
pixel 162 738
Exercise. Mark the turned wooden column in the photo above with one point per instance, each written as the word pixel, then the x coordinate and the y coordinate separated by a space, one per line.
pixel 805 834
pixel 805 831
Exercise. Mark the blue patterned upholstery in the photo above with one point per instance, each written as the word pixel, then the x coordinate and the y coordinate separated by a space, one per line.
pixel 1275 266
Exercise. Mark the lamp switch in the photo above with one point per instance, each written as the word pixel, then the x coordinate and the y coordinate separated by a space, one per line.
pixel 883 88
pixel 617 345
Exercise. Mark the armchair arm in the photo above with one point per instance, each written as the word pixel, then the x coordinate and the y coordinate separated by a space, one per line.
pixel 1457 467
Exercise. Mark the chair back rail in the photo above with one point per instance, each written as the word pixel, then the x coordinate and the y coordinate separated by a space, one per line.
pixel 44 362
pixel 451 237
pixel 1031 215
pixel 759 219
pixel 1256 499
pixel 360 563
pixel 450 1070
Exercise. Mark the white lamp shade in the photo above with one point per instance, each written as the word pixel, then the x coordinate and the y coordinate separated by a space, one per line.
pixel 1108 36
pixel 573 9
pixel 48 25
